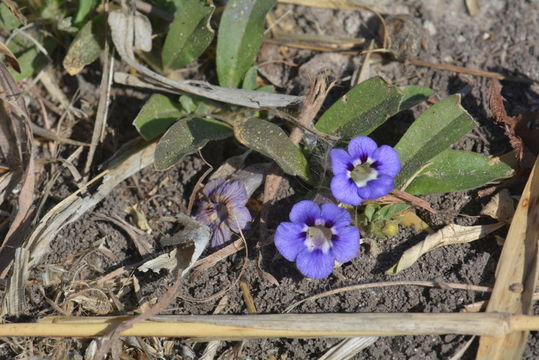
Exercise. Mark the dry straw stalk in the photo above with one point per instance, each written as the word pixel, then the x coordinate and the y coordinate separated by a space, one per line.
pixel 283 325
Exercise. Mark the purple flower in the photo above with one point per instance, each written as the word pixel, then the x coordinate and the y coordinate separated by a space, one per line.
pixel 364 172
pixel 223 209
pixel 316 237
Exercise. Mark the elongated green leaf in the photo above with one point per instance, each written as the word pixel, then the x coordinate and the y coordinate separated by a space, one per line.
pixel 87 45
pixel 240 35
pixel 185 137
pixel 453 170
pixel 189 34
pixel 414 95
pixel 156 116
pixel 84 10
pixel 271 141
pixel 431 133
pixel 362 109
pixel 31 59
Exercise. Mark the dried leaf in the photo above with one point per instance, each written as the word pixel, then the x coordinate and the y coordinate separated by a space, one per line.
pixel 515 127
pixel 501 207
pixel 10 58
pixel 190 242
pixel 410 218
pixel 93 300
pixel 140 218
pixel 451 234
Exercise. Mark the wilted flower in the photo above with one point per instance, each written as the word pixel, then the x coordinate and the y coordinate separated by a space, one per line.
pixel 222 208
pixel 316 237
pixel 364 172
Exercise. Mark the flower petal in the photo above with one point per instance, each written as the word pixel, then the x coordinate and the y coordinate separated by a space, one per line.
pixel 346 244
pixel 387 159
pixel 315 264
pixel 340 161
pixel 232 191
pixel 204 212
pixel 238 217
pixel 361 147
pixel 345 190
pixel 305 212
pixel 221 234
pixel 377 188
pixel 289 240
pixel 336 215
pixel 211 186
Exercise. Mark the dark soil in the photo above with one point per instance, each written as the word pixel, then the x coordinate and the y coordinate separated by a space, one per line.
pixel 504 37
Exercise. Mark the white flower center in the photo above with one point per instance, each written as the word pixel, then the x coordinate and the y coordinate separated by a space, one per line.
pixel 318 237
pixel 363 172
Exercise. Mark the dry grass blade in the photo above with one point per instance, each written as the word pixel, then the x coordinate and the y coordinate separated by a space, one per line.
pixel 16 143
pixel 14 301
pixel 516 274
pixel 283 325
pixel 343 5
pixel 204 264
pixel 449 235
pixel 348 348
pixel 442 285
pixel 138 236
pixel 102 108
pixel 465 70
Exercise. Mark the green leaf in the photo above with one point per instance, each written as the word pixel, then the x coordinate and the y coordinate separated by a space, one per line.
pixel 414 95
pixel 30 58
pixel 87 45
pixel 84 9
pixel 431 133
pixel 8 21
pixel 369 210
pixel 156 116
pixel 271 141
pixel 453 170
pixel 387 212
pixel 249 82
pixel 364 108
pixel 189 34
pixel 185 137
pixel 240 36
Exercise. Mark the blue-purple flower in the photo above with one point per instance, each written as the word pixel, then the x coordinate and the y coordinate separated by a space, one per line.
pixel 316 237
pixel 222 208
pixel 364 172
